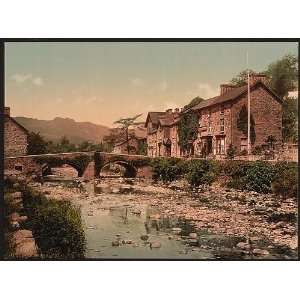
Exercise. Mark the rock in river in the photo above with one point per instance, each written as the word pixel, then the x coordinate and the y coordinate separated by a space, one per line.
pixel 144 237
pixel 243 245
pixel 155 244
pixel 177 229
pixel 260 252
pixel 193 235
pixel 115 243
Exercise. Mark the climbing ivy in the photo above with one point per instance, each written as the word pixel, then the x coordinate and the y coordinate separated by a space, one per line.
pixel 188 129
pixel 242 123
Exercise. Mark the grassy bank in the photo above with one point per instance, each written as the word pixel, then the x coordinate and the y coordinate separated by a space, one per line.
pixel 259 176
pixel 56 225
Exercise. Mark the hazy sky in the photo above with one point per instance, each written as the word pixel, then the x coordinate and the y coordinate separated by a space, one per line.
pixel 100 82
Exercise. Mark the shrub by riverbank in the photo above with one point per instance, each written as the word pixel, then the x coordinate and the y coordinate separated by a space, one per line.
pixel 259 176
pixel 56 225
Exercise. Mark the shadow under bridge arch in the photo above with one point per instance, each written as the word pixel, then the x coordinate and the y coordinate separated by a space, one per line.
pixel 130 171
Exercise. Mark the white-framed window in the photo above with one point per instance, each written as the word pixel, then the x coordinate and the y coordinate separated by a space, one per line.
pixel 222 126
pixel 220 145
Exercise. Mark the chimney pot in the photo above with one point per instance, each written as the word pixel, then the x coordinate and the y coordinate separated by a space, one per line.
pixel 258 77
pixel 226 87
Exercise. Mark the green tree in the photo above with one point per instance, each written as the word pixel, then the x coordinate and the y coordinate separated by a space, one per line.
pixel 125 124
pixel 36 144
pixel 242 77
pixel 290 120
pixel 283 75
pixel 193 103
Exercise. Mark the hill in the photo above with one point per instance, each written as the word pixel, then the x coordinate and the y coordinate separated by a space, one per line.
pixel 54 129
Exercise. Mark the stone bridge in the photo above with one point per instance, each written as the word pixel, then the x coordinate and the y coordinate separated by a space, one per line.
pixel 87 164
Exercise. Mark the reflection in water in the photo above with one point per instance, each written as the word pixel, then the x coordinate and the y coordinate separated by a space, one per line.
pixel 121 230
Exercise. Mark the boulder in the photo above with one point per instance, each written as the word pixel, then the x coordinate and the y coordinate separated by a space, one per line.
pixel 155 244
pixel 115 243
pixel 24 244
pixel 176 229
pixel 260 252
pixel 193 235
pixel 126 189
pixel 193 242
pixel 243 246
pixel 144 237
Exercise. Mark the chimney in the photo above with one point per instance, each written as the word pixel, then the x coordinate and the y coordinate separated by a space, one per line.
pixel 226 87
pixel 258 77
pixel 7 111
pixel 169 111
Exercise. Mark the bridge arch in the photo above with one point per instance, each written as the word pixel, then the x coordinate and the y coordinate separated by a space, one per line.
pixel 130 170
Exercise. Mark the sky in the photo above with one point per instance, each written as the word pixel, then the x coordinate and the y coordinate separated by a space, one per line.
pixel 102 82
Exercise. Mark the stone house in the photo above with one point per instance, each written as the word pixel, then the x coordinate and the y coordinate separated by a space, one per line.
pixel 15 136
pixel 219 118
pixel 222 122
pixel 134 144
pixel 136 141
pixel 162 136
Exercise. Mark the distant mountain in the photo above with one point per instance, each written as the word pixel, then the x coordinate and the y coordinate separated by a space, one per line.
pixel 54 129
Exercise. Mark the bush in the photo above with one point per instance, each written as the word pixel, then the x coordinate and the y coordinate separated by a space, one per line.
pixel 231 152
pixel 200 172
pixel 237 171
pixel 286 180
pixel 167 169
pixel 56 225
pixel 257 150
pixel 259 177
pixel 243 153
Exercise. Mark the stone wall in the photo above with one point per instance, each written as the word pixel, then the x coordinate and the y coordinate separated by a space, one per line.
pixel 267 114
pixel 15 139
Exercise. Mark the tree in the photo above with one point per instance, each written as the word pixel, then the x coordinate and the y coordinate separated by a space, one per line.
pixel 290 120
pixel 193 103
pixel 125 124
pixel 242 77
pixel 283 75
pixel 36 144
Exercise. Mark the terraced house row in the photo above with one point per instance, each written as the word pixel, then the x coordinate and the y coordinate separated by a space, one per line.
pixel 222 122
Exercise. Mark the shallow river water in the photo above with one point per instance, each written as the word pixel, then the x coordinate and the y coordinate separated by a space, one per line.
pixel 135 226
pixel 123 226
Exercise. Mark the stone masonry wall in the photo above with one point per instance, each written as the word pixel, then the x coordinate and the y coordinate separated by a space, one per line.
pixel 15 139
pixel 267 114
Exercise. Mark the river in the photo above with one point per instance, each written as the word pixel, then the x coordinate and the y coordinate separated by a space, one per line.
pixel 144 221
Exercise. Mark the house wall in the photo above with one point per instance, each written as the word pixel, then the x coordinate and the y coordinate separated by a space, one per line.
pixel 15 139
pixel 133 144
pixel 215 116
pixel 267 114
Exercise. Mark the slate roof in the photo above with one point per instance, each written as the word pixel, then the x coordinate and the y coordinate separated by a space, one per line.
pixel 231 95
pixel 18 124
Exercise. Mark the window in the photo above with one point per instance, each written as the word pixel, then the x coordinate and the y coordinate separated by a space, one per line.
pixel 220 143
pixel 18 168
pixel 209 121
pixel 222 111
pixel 222 127
pixel 244 144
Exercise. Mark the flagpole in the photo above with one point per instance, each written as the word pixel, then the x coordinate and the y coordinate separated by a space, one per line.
pixel 249 114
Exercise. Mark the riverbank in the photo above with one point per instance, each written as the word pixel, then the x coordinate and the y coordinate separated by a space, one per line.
pixel 261 223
